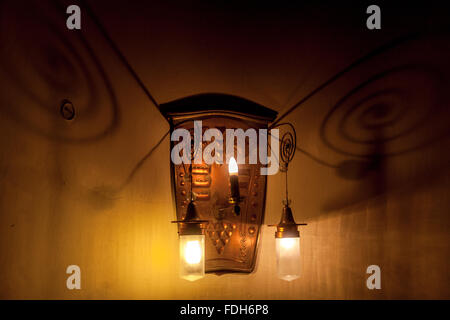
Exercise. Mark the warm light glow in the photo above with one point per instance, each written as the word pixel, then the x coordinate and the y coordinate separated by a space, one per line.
pixel 232 166
pixel 193 252
pixel 192 257
pixel 287 243
pixel 288 258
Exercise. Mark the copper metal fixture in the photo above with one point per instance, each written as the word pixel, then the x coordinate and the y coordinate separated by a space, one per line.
pixel 191 224
pixel 235 217
pixel 287 228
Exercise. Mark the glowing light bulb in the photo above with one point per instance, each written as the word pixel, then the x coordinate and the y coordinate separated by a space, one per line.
pixel 193 252
pixel 288 258
pixel 232 166
pixel 287 243
pixel 192 257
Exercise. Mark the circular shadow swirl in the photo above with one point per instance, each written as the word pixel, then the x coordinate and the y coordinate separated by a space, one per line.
pixel 42 64
pixel 391 113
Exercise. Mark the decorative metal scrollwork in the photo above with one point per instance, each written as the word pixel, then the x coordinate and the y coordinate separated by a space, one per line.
pixel 288 144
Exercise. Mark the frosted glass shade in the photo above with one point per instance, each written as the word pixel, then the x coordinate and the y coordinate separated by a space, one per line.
pixel 192 257
pixel 288 258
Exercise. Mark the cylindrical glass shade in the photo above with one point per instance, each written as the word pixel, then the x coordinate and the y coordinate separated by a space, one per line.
pixel 288 258
pixel 192 257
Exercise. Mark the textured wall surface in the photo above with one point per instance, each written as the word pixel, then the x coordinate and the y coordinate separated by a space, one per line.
pixel 78 192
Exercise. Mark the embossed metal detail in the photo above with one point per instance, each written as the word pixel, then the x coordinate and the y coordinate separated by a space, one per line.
pixel 220 234
pixel 231 239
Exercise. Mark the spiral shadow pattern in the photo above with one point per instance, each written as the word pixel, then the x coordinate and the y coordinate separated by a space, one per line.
pixel 393 112
pixel 41 64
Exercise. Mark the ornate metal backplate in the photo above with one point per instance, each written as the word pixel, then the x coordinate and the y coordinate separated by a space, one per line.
pixel 231 240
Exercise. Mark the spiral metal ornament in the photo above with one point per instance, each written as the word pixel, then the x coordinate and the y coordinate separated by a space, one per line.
pixel 287 147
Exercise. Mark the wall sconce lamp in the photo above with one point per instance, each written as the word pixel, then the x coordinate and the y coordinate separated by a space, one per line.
pixel 231 198
pixel 287 244
pixel 192 244
pixel 219 221
pixel 287 236
pixel 191 240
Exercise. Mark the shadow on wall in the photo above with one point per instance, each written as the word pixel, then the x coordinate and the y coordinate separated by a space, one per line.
pixel 391 116
pixel 381 135
pixel 41 66
pixel 62 189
